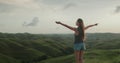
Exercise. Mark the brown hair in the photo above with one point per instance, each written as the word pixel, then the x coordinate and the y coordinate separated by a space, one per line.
pixel 81 26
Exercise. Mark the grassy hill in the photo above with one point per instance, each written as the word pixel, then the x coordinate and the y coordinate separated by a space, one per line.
pixel 34 48
pixel 103 41
pixel 91 56
pixel 57 48
pixel 7 59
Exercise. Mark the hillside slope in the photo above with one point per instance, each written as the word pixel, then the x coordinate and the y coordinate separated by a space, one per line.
pixel 52 48
pixel 34 48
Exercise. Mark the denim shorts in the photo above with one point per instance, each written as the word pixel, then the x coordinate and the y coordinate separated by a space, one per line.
pixel 79 46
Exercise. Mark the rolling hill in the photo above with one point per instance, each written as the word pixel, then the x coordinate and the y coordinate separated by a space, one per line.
pixel 52 48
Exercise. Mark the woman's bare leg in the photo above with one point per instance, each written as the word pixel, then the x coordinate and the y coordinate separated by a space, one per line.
pixel 81 56
pixel 77 58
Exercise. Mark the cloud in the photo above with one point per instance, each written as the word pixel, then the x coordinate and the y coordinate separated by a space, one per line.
pixel 21 3
pixel 117 10
pixel 6 7
pixel 54 2
pixel 34 22
pixel 69 5
pixel 1 25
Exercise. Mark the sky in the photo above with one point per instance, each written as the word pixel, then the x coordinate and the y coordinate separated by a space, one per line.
pixel 39 16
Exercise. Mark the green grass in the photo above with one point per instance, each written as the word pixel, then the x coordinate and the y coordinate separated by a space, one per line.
pixel 7 59
pixel 32 48
pixel 63 59
pixel 57 48
pixel 91 56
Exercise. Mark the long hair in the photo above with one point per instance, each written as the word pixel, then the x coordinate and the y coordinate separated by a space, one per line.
pixel 81 26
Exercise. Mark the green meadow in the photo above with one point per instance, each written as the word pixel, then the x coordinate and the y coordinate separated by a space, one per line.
pixel 57 48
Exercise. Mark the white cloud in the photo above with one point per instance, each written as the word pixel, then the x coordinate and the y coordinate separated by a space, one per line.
pixel 51 10
pixel 6 7
pixel 53 2
pixel 21 3
pixel 117 10
pixel 69 5
pixel 34 22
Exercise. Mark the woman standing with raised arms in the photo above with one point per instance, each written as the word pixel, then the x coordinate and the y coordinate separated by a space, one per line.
pixel 79 45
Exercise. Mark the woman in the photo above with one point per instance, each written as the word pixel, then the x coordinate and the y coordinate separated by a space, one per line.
pixel 79 45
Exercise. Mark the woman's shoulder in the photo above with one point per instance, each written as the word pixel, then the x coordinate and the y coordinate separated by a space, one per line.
pixel 75 28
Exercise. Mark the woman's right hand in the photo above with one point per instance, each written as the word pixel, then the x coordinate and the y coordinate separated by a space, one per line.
pixel 96 24
pixel 58 22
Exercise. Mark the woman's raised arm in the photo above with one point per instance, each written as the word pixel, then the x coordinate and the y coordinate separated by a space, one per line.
pixel 90 26
pixel 69 27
